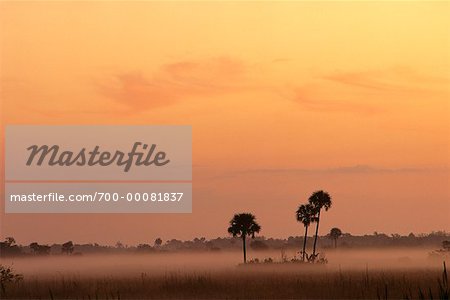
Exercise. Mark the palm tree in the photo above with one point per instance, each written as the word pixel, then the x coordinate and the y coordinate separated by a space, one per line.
pixel 319 200
pixel 243 225
pixel 305 214
pixel 335 233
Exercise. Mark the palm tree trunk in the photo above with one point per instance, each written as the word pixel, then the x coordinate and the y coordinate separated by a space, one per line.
pixel 304 243
pixel 245 250
pixel 315 237
pixel 335 243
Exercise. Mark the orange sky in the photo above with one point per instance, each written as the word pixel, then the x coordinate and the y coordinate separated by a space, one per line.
pixel 283 98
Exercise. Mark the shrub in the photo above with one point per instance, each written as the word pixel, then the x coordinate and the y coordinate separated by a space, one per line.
pixel 6 276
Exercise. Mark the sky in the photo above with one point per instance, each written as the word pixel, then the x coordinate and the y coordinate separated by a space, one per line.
pixel 284 99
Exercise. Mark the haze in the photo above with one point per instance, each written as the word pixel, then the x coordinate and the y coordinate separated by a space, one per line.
pixel 121 265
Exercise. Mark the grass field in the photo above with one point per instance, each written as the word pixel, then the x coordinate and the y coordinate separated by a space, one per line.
pixel 145 279
pixel 238 284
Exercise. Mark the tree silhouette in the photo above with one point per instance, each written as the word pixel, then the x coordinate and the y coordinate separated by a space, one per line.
pixel 67 247
pixel 319 200
pixel 9 247
pixel 40 249
pixel 335 233
pixel 10 241
pixel 158 242
pixel 243 225
pixel 305 214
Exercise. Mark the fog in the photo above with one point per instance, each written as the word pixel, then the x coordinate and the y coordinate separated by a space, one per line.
pixel 162 263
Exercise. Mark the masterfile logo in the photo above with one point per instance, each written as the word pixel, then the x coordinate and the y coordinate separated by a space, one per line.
pixel 53 156
pixel 98 152
pixel 113 168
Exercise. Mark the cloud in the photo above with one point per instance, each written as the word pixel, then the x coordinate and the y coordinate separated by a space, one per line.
pixel 357 92
pixel 316 98
pixel 320 96
pixel 220 73
pixel 395 79
pixel 174 82
pixel 356 169
pixel 340 170
pixel 365 92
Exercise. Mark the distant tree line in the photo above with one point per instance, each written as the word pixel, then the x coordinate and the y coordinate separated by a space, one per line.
pixel 9 247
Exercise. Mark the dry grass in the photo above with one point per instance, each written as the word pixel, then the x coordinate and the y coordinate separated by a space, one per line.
pixel 241 283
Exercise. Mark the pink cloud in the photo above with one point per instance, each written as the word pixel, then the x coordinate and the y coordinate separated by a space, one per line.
pixel 174 82
pixel 397 79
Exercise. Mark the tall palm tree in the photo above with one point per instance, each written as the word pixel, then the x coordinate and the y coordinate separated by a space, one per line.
pixel 335 233
pixel 319 200
pixel 305 214
pixel 243 225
